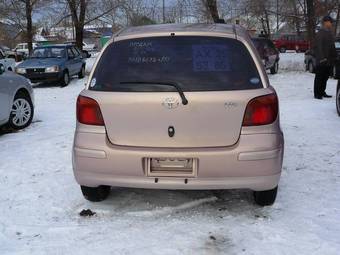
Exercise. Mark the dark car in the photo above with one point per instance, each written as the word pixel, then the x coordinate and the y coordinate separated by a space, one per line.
pixel 269 54
pixel 53 63
pixel 291 42
pixel 310 60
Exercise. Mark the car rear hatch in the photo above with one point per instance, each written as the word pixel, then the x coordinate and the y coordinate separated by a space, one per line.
pixel 151 114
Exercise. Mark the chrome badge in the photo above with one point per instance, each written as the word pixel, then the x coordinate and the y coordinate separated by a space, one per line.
pixel 171 103
pixel 230 105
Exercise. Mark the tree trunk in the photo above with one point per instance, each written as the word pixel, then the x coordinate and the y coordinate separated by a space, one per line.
pixel 267 24
pixel 78 19
pixel 310 21
pixel 29 27
pixel 79 36
pixel 212 7
pixel 296 18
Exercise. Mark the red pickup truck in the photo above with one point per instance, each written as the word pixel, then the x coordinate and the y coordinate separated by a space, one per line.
pixel 291 42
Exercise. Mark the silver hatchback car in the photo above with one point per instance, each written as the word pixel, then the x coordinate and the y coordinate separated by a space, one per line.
pixel 179 107
pixel 16 100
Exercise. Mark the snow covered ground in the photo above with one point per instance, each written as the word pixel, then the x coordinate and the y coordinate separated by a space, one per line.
pixel 292 61
pixel 40 200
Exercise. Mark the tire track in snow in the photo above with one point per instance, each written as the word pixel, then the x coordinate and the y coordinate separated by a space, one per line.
pixel 170 210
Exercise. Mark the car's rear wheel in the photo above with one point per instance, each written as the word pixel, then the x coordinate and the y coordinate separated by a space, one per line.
pixel 65 80
pixel 22 112
pixel 310 67
pixel 338 98
pixel 275 68
pixel 81 74
pixel 283 49
pixel 96 194
pixel 266 197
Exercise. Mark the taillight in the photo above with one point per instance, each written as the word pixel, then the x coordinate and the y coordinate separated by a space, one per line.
pixel 261 110
pixel 88 111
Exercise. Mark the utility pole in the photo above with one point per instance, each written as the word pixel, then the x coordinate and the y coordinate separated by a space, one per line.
pixel 163 11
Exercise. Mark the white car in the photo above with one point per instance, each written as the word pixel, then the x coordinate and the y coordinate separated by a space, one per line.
pixel 89 47
pixel 23 48
pixel 8 63
pixel 16 100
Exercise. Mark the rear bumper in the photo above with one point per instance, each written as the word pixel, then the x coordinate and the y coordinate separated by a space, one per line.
pixel 253 163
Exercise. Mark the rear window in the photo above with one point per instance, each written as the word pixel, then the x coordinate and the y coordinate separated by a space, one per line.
pixel 194 63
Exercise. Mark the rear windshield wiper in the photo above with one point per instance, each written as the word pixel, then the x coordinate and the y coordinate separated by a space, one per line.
pixel 172 84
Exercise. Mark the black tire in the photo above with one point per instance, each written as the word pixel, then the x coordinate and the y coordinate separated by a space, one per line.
pixel 81 74
pixel 275 68
pixel 17 119
pixel 95 194
pixel 338 98
pixel 65 79
pixel 266 197
pixel 283 50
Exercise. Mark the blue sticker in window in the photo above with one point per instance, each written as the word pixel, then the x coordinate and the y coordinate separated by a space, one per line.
pixel 211 58
pixel 255 80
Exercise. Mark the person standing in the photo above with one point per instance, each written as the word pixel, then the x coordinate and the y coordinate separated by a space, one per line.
pixel 325 54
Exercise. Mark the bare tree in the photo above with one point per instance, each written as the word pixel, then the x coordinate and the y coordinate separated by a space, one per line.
pixel 79 13
pixel 19 13
pixel 211 6
pixel 311 24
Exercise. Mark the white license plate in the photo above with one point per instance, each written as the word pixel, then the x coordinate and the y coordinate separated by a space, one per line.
pixel 172 167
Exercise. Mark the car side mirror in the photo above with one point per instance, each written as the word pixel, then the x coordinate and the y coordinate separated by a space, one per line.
pixel 2 69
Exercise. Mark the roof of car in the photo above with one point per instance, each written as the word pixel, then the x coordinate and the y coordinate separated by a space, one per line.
pixel 55 45
pixel 173 28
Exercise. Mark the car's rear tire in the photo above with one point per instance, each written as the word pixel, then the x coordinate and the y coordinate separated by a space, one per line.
pixel 338 98
pixel 283 50
pixel 310 67
pixel 81 74
pixel 275 68
pixel 22 112
pixel 65 80
pixel 96 194
pixel 266 197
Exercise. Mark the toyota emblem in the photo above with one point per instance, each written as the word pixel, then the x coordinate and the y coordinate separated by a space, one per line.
pixel 171 103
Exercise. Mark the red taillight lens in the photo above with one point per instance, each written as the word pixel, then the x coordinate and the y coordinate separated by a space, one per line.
pixel 261 111
pixel 88 111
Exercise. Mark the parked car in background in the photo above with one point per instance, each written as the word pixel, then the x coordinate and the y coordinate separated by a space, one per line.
pixel 53 63
pixel 16 100
pixel 17 56
pixel 179 106
pixel 269 54
pixel 23 48
pixel 87 48
pixel 291 42
pixel 310 61
pixel 8 63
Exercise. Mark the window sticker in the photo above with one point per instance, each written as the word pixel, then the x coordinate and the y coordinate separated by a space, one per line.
pixel 211 58
pixel 143 52
pixel 255 80
pixel 93 82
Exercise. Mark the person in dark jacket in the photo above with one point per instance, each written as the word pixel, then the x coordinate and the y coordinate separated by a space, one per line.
pixel 325 54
